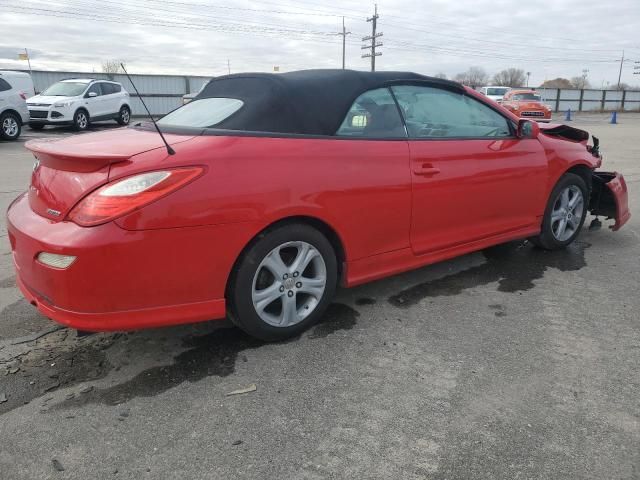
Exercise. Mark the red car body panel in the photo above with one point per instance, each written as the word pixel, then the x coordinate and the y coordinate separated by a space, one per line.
pixel 393 205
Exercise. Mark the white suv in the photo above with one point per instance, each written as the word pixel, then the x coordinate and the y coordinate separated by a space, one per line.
pixel 78 102
pixel 15 87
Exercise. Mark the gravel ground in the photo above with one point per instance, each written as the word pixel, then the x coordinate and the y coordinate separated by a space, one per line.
pixel 503 364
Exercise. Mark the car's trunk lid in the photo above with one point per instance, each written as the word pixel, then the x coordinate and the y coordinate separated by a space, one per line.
pixel 66 170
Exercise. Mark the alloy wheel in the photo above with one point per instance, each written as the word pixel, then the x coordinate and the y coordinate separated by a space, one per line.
pixel 567 213
pixel 81 120
pixel 124 115
pixel 289 284
pixel 10 127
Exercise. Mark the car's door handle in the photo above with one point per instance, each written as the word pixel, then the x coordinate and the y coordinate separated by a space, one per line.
pixel 425 169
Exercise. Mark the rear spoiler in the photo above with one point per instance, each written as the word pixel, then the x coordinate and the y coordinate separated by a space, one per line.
pixel 50 155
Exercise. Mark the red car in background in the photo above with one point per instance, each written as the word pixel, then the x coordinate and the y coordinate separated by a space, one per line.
pixel 275 189
pixel 527 104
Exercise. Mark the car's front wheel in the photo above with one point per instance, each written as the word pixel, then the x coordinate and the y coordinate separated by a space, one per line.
pixel 283 283
pixel 565 213
pixel 81 120
pixel 124 116
pixel 10 126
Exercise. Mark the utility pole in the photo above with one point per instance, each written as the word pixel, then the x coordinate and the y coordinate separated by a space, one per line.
pixel 229 66
pixel 344 41
pixel 620 74
pixel 373 38
pixel 528 75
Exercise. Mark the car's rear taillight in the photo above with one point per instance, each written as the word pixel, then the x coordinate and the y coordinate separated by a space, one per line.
pixel 125 195
pixel 23 95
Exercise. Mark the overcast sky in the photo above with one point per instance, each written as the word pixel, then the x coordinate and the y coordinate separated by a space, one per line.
pixel 556 38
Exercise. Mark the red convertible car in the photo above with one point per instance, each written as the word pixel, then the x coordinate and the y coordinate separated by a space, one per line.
pixel 275 189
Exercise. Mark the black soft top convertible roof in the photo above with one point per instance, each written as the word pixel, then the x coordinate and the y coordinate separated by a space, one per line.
pixel 310 102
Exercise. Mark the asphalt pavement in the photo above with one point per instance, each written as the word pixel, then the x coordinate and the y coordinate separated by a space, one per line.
pixel 511 363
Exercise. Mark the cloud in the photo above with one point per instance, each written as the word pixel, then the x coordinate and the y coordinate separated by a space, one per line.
pixel 550 39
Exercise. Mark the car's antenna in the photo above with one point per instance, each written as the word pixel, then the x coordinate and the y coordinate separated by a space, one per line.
pixel 170 150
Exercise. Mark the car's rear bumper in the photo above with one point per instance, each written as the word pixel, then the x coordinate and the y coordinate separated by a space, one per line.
pixel 610 198
pixel 123 279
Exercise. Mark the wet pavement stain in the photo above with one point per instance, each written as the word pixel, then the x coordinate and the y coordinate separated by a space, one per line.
pixel 213 354
pixel 513 265
pixel 365 301
pixel 337 317
pixel 41 369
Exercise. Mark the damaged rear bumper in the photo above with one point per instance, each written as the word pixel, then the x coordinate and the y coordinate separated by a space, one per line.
pixel 609 198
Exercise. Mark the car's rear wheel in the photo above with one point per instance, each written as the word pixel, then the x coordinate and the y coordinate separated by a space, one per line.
pixel 10 126
pixel 283 283
pixel 36 126
pixel 565 213
pixel 81 120
pixel 124 116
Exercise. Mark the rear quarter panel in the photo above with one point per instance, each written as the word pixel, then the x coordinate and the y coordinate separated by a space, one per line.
pixel 360 188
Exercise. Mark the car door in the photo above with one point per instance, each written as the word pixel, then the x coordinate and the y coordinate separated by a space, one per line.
pixel 94 104
pixel 110 98
pixel 369 160
pixel 472 177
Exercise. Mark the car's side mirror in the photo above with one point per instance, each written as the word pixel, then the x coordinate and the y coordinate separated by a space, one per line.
pixel 92 94
pixel 528 129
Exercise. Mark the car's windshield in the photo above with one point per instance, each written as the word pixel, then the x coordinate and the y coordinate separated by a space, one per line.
pixel 65 89
pixel 526 96
pixel 497 91
pixel 204 113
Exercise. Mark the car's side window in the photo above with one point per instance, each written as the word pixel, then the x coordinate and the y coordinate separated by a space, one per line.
pixel 438 113
pixel 107 88
pixel 4 85
pixel 374 114
pixel 95 88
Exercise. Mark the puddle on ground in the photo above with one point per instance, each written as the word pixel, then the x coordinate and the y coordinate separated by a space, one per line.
pixel 365 301
pixel 213 354
pixel 337 317
pixel 513 265
pixel 50 364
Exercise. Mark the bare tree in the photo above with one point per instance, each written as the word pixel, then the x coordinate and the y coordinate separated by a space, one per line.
pixel 580 82
pixel 475 76
pixel 111 66
pixel 440 75
pixel 557 83
pixel 510 77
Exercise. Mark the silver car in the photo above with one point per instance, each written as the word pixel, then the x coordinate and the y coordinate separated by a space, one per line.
pixel 15 88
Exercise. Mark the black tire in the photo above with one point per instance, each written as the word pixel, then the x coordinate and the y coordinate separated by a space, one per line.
pixel 81 120
pixel 239 294
pixel 124 116
pixel 547 239
pixel 36 126
pixel 10 126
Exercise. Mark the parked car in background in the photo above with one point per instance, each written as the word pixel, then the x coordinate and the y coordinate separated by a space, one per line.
pixel 79 102
pixel 494 93
pixel 15 88
pixel 527 104
pixel 274 189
